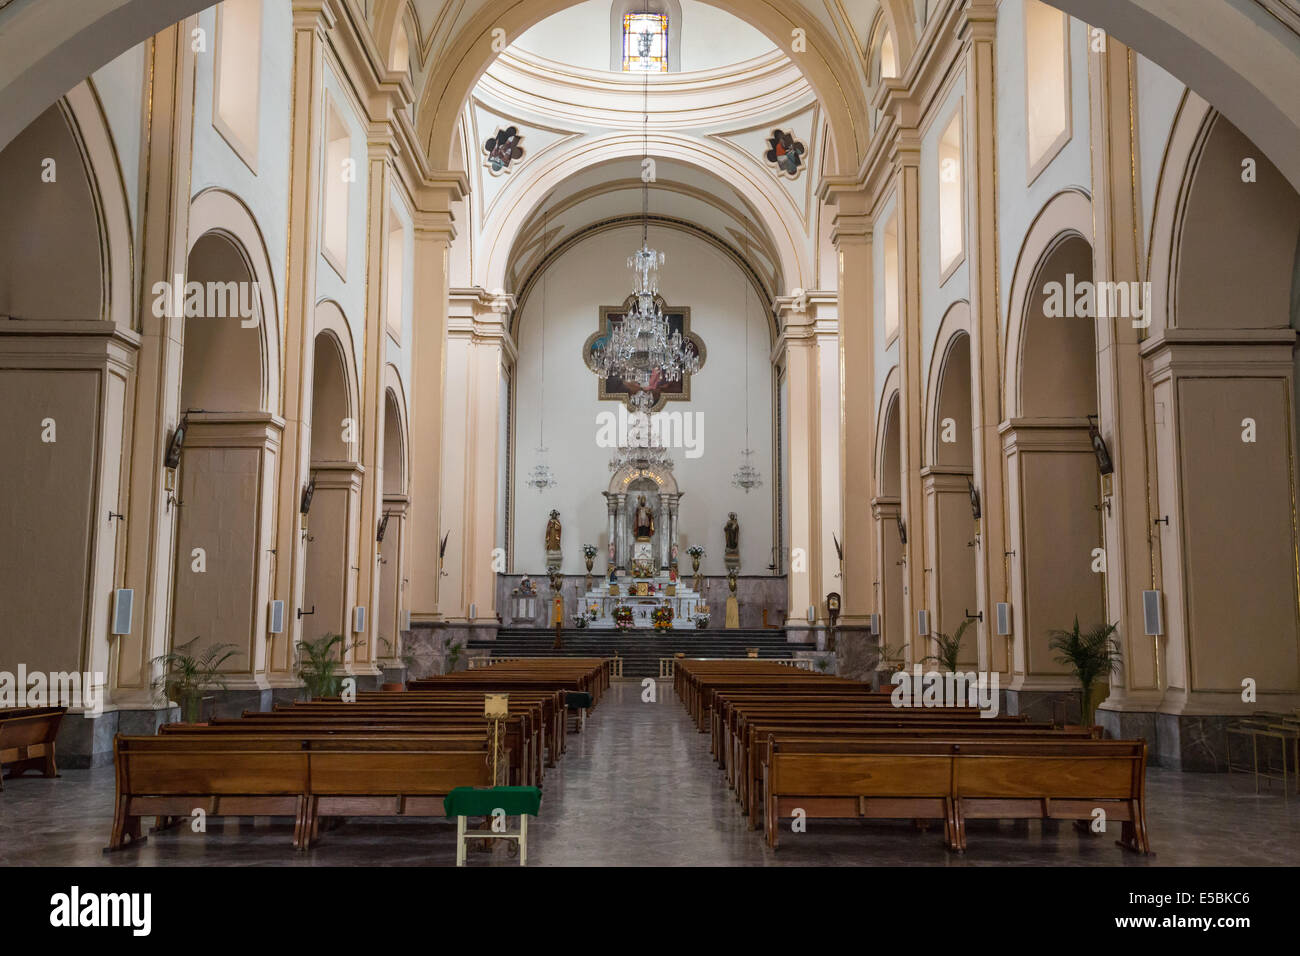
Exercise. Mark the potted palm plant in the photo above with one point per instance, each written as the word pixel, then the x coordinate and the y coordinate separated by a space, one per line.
pixel 318 665
pixel 187 675
pixel 949 646
pixel 1092 656
pixel 453 654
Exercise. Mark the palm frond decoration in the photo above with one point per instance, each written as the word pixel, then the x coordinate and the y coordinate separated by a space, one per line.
pixel 1091 655
pixel 318 664
pixel 949 646
pixel 186 674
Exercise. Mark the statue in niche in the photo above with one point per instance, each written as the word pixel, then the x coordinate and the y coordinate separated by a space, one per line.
pixel 553 532
pixel 643 520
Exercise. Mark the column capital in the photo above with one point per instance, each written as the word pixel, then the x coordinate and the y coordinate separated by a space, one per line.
pixel 317 15
pixel 977 22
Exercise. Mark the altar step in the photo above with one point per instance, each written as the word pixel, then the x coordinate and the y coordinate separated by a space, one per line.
pixel 640 650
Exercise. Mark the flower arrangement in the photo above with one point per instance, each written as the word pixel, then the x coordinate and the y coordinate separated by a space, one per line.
pixel 623 617
pixel 695 551
pixel 590 551
pixel 581 619
pixel 701 618
pixel 662 617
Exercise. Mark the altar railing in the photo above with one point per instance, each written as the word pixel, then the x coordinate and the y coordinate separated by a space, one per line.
pixel 615 670
pixel 666 664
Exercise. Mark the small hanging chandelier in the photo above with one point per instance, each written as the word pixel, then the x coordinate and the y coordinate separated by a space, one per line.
pixel 746 476
pixel 540 477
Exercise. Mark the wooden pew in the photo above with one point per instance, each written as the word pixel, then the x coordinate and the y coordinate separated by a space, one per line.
pixel 955 780
pixel 27 739
pixel 307 777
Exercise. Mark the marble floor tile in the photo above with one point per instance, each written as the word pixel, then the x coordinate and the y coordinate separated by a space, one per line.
pixel 639 788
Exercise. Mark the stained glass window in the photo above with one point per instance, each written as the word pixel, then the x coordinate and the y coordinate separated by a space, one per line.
pixel 645 43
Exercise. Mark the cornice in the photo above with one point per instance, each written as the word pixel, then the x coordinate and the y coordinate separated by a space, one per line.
pixel 773 86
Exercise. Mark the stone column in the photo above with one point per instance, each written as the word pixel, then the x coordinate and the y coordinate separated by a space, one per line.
pixel 621 557
pixel 434 231
pixel 312 21
pixel 672 525
pixel 378 260
pixel 148 563
pixel 479 347
pixel 663 533
pixel 611 548
pixel 1121 400
pixel 977 31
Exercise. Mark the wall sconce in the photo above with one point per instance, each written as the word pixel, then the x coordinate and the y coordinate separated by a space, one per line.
pixel 308 492
pixel 383 526
pixel 1104 463
pixel 902 529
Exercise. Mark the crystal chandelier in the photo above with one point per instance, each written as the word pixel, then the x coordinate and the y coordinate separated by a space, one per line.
pixel 746 475
pixel 540 477
pixel 640 349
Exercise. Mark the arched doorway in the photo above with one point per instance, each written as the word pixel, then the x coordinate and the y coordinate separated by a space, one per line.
pixel 1054 522
pixel 1221 364
pixel 891 551
pixel 331 573
pixel 226 480
pixel 392 546
pixel 946 484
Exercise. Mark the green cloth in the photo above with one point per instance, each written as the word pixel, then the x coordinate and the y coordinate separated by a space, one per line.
pixel 577 699
pixel 483 801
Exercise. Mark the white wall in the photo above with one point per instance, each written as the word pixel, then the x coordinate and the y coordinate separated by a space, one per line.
pixel 594 273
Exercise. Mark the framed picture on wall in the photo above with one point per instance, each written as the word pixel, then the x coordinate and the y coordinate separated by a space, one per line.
pixel 613 387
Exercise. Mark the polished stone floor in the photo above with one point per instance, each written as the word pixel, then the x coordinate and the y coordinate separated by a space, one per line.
pixel 639 788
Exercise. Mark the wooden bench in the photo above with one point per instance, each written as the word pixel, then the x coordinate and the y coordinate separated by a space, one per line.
pixel 27 737
pixel 956 780
pixel 307 777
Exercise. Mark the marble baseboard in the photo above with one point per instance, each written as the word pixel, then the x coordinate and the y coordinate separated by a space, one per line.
pixel 1190 742
pixel 427 646
pixel 858 653
pixel 1056 706
pixel 85 742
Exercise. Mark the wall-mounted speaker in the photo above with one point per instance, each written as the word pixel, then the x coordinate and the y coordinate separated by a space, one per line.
pixel 812 614
pixel 1152 615
pixel 406 620
pixel 875 625
pixel 358 619
pixel 1004 619
pixel 923 623
pixel 473 611
pixel 275 617
pixel 123 602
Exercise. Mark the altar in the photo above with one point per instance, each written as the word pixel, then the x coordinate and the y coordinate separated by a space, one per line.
pixel 599 604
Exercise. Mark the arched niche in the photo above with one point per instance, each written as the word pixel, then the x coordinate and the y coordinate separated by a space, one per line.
pixel 50 247
pixel 886 509
pixel 334 389
pixel 1053 493
pixel 948 389
pixel 223 363
pixel 394 445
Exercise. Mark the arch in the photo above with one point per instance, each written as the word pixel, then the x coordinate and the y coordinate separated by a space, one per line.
pixel 217 213
pixel 881 45
pixel 632 472
pixel 1198 229
pixel 823 63
pixel 1068 214
pixel 772 207
pixel 888 459
pixel 396 416
pixel 953 336
pixel 78 263
pixel 335 395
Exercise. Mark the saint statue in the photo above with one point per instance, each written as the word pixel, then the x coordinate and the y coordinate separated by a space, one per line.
pixel 553 532
pixel 643 523
pixel 731 531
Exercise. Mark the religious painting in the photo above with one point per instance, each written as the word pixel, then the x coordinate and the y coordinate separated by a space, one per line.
pixel 503 149
pixel 614 387
pixel 785 152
